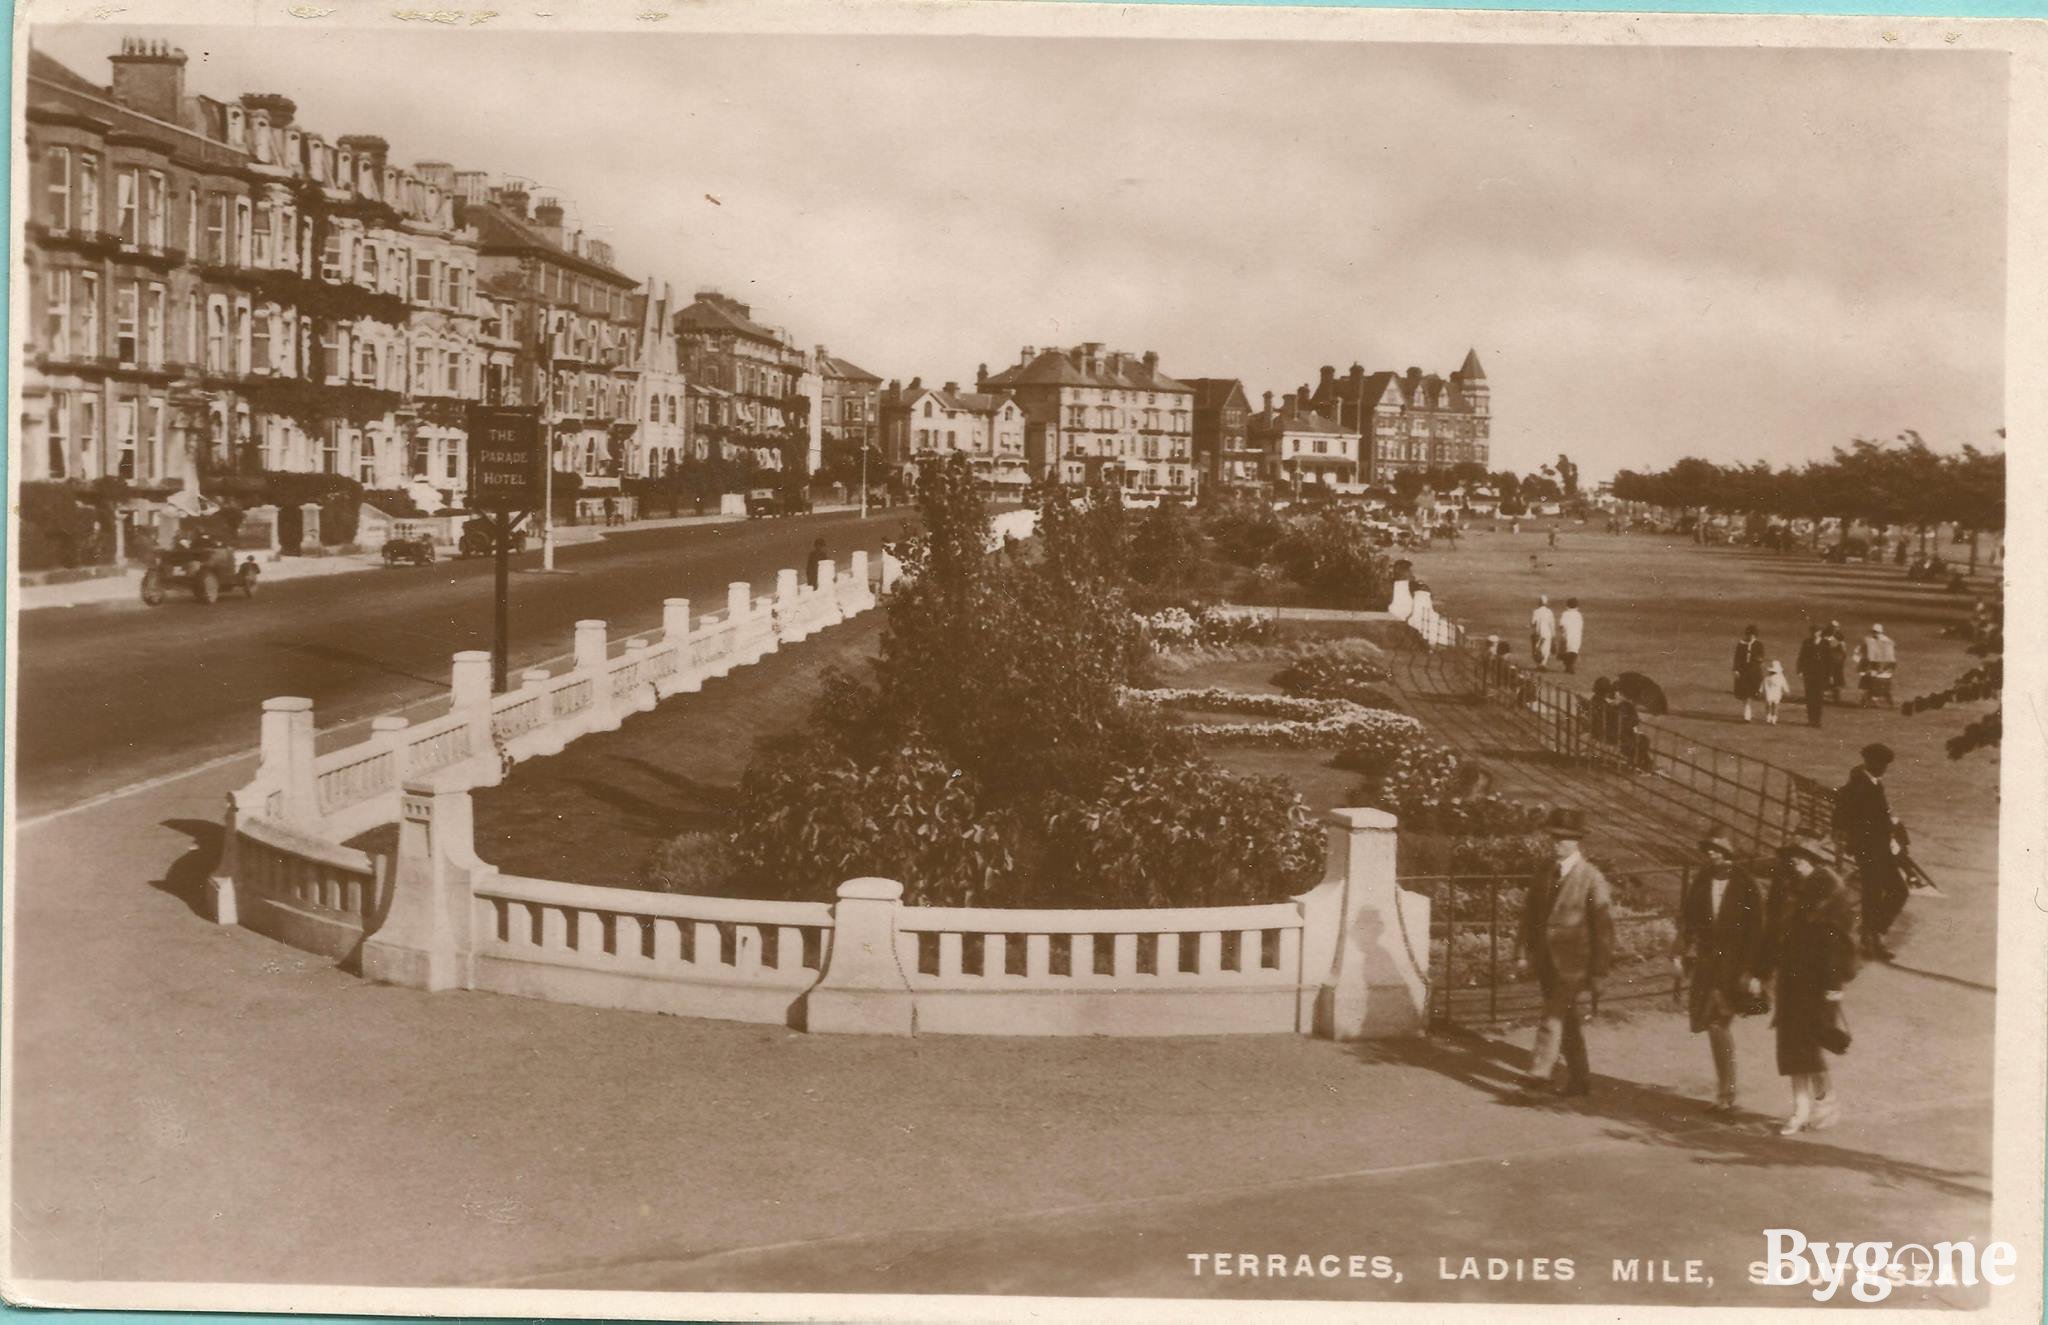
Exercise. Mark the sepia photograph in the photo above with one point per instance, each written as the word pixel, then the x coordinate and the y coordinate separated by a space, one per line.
pixel 994 661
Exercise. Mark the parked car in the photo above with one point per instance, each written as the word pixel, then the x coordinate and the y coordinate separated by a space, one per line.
pixel 763 502
pixel 417 550
pixel 203 568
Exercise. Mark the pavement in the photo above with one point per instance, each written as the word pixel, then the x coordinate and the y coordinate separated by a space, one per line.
pixel 199 1104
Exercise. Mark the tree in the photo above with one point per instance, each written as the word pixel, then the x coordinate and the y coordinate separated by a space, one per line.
pixel 1568 476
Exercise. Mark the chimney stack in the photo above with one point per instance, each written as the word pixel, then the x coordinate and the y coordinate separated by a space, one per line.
pixel 981 377
pixel 547 215
pixel 277 105
pixel 149 76
pixel 1030 353
pixel 513 201
pixel 370 149
pixel 1152 361
pixel 952 388
pixel 1329 376
pixel 1301 396
pixel 1269 402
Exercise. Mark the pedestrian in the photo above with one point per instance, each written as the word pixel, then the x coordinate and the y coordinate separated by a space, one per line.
pixel 1815 665
pixel 1571 628
pixel 1876 658
pixel 1553 536
pixel 1863 818
pixel 1749 670
pixel 1720 950
pixel 1812 956
pixel 1838 660
pixel 812 562
pixel 1775 689
pixel 1542 629
pixel 611 512
pixel 1567 937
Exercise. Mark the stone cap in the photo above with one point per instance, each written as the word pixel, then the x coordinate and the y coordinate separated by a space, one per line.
pixel 871 890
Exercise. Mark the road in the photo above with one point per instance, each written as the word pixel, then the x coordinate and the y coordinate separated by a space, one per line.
pixel 115 694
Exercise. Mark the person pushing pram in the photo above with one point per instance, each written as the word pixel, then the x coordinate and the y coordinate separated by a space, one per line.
pixel 1877 658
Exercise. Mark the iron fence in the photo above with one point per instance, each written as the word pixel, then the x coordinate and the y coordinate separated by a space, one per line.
pixel 1475 928
pixel 1757 802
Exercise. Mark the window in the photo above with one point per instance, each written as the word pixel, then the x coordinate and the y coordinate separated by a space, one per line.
pixel 153 458
pixel 88 315
pixel 192 223
pixel 127 320
pixel 366 463
pixel 216 336
pixel 330 256
pixel 59 457
pixel 330 450
pixel 57 311
pixel 57 181
pixel 127 216
pixel 217 229
pixel 124 439
pixel 366 361
pixel 259 345
pixel 264 235
pixel 454 458
pixel 371 275
pixel 244 337
pixel 88 433
pixel 154 205
pixel 453 363
pixel 927 409
pixel 243 230
pixel 88 192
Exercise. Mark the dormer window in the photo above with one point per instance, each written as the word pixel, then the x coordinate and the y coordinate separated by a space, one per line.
pixel 237 134
pixel 344 169
pixel 291 147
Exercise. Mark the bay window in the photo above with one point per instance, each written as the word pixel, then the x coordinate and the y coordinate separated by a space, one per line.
pixel 57 186
pixel 127 320
pixel 127 204
pixel 88 192
pixel 59 451
pixel 57 311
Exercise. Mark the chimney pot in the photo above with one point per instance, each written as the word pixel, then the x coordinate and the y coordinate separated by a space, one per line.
pixel 1269 402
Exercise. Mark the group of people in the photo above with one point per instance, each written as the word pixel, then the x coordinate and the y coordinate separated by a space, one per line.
pixel 1559 635
pixel 1787 946
pixel 1823 664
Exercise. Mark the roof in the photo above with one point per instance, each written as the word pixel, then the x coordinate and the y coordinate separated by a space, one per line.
pixel 830 366
pixel 1124 372
pixel 1213 392
pixel 51 69
pixel 1298 420
pixel 498 229
pixel 967 402
pixel 706 315
pixel 1470 370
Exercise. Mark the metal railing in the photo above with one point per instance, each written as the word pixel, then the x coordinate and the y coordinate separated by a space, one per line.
pixel 1475 924
pixel 1756 801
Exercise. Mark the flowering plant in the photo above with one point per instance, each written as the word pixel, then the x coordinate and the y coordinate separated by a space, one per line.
pixel 1177 628
pixel 1295 720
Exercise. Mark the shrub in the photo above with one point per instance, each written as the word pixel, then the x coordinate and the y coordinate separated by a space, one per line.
pixel 340 499
pixel 394 502
pixel 1333 557
pixel 1184 834
pixel 699 863
pixel 58 529
pixel 1177 628
pixel 815 818
pixel 1166 553
pixel 1329 674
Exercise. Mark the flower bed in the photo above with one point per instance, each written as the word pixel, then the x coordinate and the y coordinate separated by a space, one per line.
pixel 1177 628
pixel 1292 720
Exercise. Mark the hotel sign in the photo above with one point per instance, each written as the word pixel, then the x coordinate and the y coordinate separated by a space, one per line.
pixel 507 460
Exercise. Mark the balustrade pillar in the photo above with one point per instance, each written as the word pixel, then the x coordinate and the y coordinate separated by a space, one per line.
pixel 426 939
pixel 286 746
pixel 1374 986
pixel 863 989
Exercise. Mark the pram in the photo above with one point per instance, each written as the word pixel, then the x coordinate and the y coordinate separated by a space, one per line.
pixel 1875 680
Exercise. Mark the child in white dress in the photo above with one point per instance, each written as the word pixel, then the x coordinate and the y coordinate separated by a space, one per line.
pixel 1775 688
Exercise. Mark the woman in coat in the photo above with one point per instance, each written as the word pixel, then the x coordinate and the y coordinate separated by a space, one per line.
pixel 1722 930
pixel 1812 954
pixel 1749 670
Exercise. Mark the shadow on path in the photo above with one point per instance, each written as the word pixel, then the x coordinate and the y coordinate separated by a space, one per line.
pixel 186 879
pixel 1654 1116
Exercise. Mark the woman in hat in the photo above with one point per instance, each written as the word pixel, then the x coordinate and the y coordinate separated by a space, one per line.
pixel 1721 937
pixel 1749 670
pixel 1812 953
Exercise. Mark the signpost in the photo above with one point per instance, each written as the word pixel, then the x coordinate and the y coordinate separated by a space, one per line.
pixel 507 482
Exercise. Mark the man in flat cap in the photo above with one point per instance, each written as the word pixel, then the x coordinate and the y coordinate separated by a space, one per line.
pixel 1567 936
pixel 1863 818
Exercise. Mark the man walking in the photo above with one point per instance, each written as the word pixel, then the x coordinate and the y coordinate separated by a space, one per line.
pixel 1542 630
pixel 813 561
pixel 1572 627
pixel 1838 660
pixel 1567 937
pixel 1815 668
pixel 1863 817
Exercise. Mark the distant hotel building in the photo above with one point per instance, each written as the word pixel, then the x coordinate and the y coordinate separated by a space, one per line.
pixel 1099 416
pixel 1412 420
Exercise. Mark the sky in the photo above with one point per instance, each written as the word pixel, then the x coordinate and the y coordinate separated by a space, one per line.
pixel 1657 252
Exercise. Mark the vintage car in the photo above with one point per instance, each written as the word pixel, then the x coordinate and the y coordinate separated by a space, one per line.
pixel 413 550
pixel 477 539
pixel 763 502
pixel 205 568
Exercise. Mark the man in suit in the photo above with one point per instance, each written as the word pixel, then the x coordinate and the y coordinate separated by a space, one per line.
pixel 1815 667
pixel 1571 632
pixel 1567 936
pixel 1863 817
